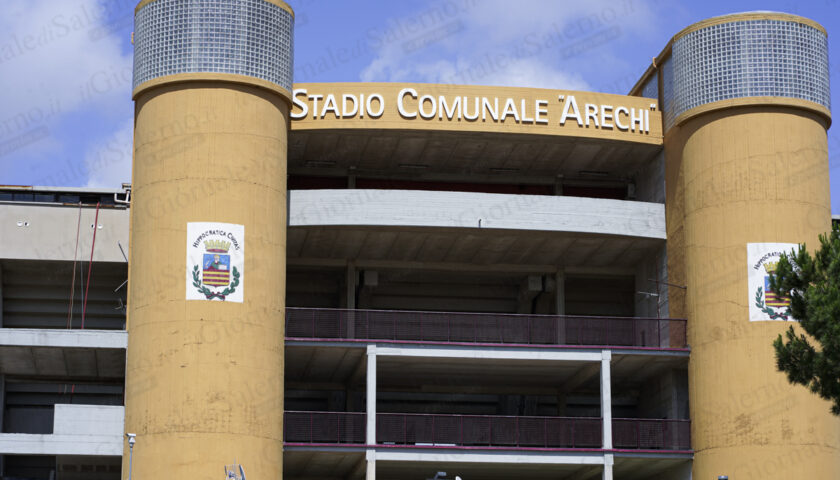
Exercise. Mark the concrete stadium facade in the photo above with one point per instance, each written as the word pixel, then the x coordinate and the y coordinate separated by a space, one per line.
pixel 381 280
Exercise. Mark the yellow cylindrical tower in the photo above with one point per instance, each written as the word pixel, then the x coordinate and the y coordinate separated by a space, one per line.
pixel 747 163
pixel 204 374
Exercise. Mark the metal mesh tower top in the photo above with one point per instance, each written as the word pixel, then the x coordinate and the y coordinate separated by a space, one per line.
pixel 254 38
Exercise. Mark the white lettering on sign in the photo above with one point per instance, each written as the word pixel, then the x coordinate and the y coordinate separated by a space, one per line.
pixel 414 105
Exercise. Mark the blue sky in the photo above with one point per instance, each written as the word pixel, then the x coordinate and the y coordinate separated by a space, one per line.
pixel 65 65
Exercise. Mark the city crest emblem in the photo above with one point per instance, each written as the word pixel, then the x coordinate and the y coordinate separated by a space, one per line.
pixel 774 305
pixel 763 260
pixel 216 271
pixel 215 257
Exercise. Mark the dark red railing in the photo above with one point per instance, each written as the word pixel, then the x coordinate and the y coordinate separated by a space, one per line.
pixel 645 434
pixel 456 327
pixel 324 427
pixel 488 431
pixel 485 431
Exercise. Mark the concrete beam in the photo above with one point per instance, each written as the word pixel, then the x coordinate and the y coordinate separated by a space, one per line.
pixel 495 353
pixel 32 337
pixel 461 267
pixel 420 208
pixel 461 456
pixel 410 265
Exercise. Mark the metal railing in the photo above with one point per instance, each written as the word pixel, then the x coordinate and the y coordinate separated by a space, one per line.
pixel 484 328
pixel 324 427
pixel 647 434
pixel 411 429
pixel 488 431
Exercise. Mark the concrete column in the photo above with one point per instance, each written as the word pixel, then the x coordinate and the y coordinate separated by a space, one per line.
pixel 371 395
pixel 209 146
pixel 350 300
pixel 560 304
pixel 740 171
pixel 606 401
pixel 560 292
pixel 561 404
pixel 370 458
pixel 528 291
pixel 369 282
pixel 609 460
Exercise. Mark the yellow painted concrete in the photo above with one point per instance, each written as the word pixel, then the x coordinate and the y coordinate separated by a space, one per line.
pixel 210 77
pixel 279 3
pixel 204 379
pixel 392 120
pixel 748 16
pixel 794 103
pixel 736 176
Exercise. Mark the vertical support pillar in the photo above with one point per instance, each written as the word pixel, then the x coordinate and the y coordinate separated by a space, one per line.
pixel 371 395
pixel 350 300
pixel 205 358
pixel 606 400
pixel 609 460
pixel 560 291
pixel 560 304
pixel 728 139
pixel 370 458
pixel 561 404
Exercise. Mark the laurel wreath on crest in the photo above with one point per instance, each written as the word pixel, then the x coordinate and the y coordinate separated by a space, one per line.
pixel 759 302
pixel 209 294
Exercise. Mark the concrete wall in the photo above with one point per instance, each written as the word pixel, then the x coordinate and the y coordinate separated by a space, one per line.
pixel 48 232
pixel 665 396
pixel 78 430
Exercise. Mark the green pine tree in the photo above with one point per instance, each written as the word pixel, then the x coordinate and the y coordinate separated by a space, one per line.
pixel 813 285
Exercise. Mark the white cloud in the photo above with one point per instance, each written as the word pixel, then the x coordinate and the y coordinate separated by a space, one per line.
pixel 109 162
pixel 539 43
pixel 61 61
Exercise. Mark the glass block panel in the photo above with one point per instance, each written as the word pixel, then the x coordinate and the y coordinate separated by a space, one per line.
pixel 245 37
pixel 651 88
pixel 750 58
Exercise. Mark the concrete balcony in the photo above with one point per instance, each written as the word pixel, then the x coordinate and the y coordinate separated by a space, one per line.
pixel 464 229
pixel 483 329
pixel 486 431
pixel 87 354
